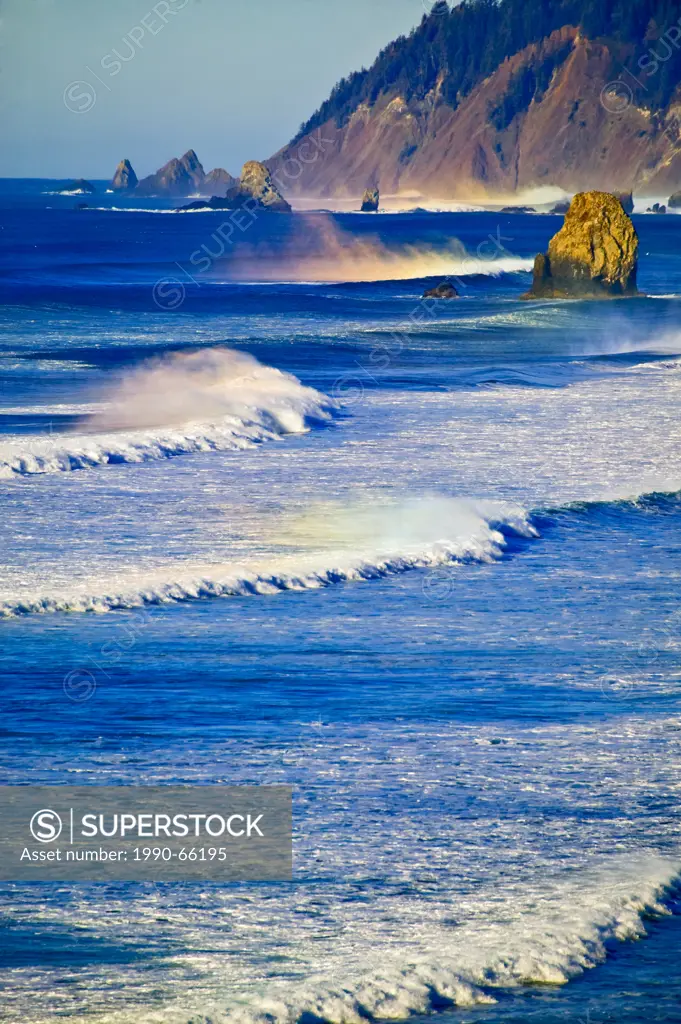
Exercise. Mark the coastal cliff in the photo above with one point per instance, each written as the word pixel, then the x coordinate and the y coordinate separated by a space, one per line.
pixel 488 99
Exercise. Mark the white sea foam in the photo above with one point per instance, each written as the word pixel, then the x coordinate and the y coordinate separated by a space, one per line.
pixel 553 940
pixel 325 546
pixel 214 399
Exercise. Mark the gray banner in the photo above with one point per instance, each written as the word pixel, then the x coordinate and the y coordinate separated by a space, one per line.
pixel 145 833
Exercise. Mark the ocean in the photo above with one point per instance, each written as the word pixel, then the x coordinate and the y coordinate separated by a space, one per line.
pixel 269 517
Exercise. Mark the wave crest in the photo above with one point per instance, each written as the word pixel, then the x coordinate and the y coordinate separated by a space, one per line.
pixel 213 400
pixel 346 546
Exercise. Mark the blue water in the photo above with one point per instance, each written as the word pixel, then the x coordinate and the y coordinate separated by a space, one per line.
pixel 428 574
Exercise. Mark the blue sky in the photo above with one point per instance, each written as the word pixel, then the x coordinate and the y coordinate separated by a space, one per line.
pixel 231 78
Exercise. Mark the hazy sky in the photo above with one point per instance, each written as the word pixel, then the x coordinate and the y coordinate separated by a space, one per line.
pixel 231 78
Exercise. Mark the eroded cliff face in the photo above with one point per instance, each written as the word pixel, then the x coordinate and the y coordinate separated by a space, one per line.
pixel 571 134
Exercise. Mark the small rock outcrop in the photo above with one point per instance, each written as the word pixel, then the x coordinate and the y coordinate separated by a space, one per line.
pixel 257 189
pixel 370 200
pixel 562 207
pixel 442 291
pixel 657 208
pixel 518 209
pixel 218 182
pixel 674 201
pixel 176 178
pixel 594 255
pixel 79 187
pixel 124 179
pixel 214 203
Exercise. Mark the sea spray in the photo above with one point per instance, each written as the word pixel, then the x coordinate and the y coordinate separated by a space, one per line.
pixel 210 400
pixel 320 250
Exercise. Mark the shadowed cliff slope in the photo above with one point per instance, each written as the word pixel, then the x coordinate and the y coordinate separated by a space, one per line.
pixel 491 97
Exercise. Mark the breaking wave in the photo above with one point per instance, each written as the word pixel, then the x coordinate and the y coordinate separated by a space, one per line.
pixel 326 546
pixel 213 400
pixel 569 933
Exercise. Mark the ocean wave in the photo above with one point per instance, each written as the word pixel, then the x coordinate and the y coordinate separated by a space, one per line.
pixel 212 400
pixel 340 545
pixel 568 932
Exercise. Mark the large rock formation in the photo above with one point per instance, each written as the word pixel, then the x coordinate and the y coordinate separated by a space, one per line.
pixel 125 179
pixel 674 201
pixel 594 255
pixel 218 182
pixel 370 200
pixel 257 189
pixel 176 178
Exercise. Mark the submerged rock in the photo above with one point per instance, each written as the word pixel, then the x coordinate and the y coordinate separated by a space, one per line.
pixel 124 179
pixel 445 290
pixel 256 189
pixel 176 178
pixel 79 187
pixel 214 203
pixel 370 200
pixel 594 255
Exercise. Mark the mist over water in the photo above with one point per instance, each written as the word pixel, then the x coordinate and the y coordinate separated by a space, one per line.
pixel 320 251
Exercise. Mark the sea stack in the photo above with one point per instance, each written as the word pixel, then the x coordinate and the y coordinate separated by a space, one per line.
pixel 176 178
pixel 125 179
pixel 257 189
pixel 219 182
pixel 593 256
pixel 370 200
